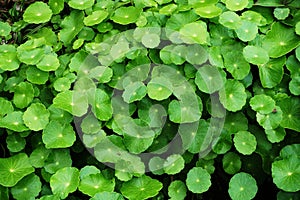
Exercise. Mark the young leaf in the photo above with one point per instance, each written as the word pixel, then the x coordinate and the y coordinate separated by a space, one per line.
pixel 209 11
pixel 244 142
pixel 5 29
pixel 28 188
pixel 281 13
pixel 126 15
pixel 231 163
pixel 36 117
pixel 49 62
pixel 195 33
pixel 242 186
pixel 233 96
pixel 95 18
pixel 247 31
pixel 38 12
pixel 198 180
pixel 134 92
pixel 56 6
pixel 56 135
pixel 65 181
pixel 156 165
pixel 174 164
pixel 262 103
pixel 159 88
pixel 142 188
pixel 81 4
pixel 230 20
pixel 107 196
pixel 13 169
pixel 275 135
pixel 36 76
pixel 236 5
pixel 271 120
pixel 255 55
pixel 177 190
pixel 8 58
pixel 24 94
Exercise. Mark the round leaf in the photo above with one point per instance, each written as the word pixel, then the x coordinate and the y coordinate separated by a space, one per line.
pixel 56 135
pixel 270 120
pixel 255 55
pixel 13 121
pixel 150 40
pixel 126 15
pixel 231 163
pixel 36 117
pixel 159 88
pixel 107 196
pixel 244 142
pixel 195 33
pixel 36 76
pixel 174 164
pixel 247 31
pixel 28 188
pixel 281 13
pixel 13 169
pixel 209 11
pixel 64 181
pixel 23 95
pixel 198 180
pixel 38 12
pixel 49 63
pixel 233 96
pixel 262 103
pixel 230 20
pixel 5 29
pixel 242 186
pixel 272 72
pixel 177 190
pixel 236 5
pixel 141 188
pixel 134 92
pixel 8 58
pixel 290 113
pixel 95 18
pixel 15 142
pixel 275 135
pixel 81 4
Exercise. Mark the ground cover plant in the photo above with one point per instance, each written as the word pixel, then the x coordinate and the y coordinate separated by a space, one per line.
pixel 150 99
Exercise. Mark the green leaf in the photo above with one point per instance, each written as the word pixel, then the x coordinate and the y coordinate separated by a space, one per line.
pixel 236 64
pixel 36 76
pixel 62 84
pixel 8 58
pixel 231 163
pixel 236 5
pixel 81 4
pixel 101 105
pixel 297 28
pixel 151 40
pixel 38 12
pixel 95 18
pixel 271 120
pixel 64 181
pixel 141 188
pixel 56 135
pixel 38 156
pixel 230 20
pixel 198 180
pixel 290 113
pixel 56 6
pixel 6 107
pixel 195 33
pixel 247 31
pixel 280 40
pixel 286 173
pixel 196 54
pixel 210 79
pixel 242 186
pixel 95 183
pixel 209 11
pixel 134 92
pixel 28 188
pixel 244 142
pixel 281 13
pixel 13 121
pixel 275 135
pixel 262 103
pixel 107 196
pixel 272 72
pixel 72 102
pixel 177 190
pixel 24 94
pixel 159 88
pixel 71 26
pixel 13 169
pixel 255 55
pixel 36 117
pixel 5 29
pixel 233 96
pixel 15 142
pixel 294 85
pixel 174 164
pixel 156 165
pixel 126 15
pixel 57 159
pixel 49 62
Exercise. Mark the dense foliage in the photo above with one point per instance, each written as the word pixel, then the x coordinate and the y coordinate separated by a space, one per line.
pixel 150 99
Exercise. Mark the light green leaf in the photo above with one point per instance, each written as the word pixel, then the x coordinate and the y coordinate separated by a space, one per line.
pixel 36 117
pixel 198 180
pixel 8 58
pixel 24 94
pixel 297 28
pixel 159 88
pixel 6 107
pixel 5 29
pixel 255 55
pixel 230 20
pixel 62 84
pixel 64 181
pixel 290 113
pixel 49 62
pixel 107 196
pixel 91 140
pixel 294 85
pixel 244 142
pixel 95 18
pixel 177 190
pixel 56 6
pixel 233 96
pixel 262 103
pixel 13 121
pixel 126 15
pixel 57 135
pixel 15 142
pixel 196 54
pixel 236 5
pixel 151 40
pixel 28 188
pixel 141 188
pixel 281 13
pixel 134 92
pixel 275 135
pixel 156 165
pixel 101 105
pixel 36 76
pixel 95 183
pixel 13 169
pixel 247 31
pixel 57 159
pixel 174 164
pixel 209 11
pixel 210 79
pixel 38 156
pixel 195 33
pixel 271 120
pixel 38 12
pixel 81 4
pixel 242 186
pixel 280 40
